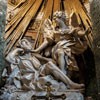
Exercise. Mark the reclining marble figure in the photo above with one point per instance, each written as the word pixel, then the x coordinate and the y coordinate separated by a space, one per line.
pixel 28 73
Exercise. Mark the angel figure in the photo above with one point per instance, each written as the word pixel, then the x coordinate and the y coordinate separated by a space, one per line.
pixel 67 41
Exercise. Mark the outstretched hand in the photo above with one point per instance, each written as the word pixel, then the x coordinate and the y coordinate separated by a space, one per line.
pixel 27 51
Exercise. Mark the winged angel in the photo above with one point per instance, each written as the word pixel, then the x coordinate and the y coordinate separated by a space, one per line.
pixel 66 41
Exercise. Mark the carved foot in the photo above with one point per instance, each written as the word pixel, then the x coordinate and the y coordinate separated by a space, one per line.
pixel 76 86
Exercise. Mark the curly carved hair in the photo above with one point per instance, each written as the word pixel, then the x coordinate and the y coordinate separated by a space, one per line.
pixel 59 14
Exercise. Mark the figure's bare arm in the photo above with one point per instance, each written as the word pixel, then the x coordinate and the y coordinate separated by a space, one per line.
pixel 83 32
pixel 12 55
pixel 42 46
pixel 72 31
pixel 43 58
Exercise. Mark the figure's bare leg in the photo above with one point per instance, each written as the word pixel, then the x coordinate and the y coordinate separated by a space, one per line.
pixel 61 60
pixel 53 69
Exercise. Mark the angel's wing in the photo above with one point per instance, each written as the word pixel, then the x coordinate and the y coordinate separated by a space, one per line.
pixel 47 28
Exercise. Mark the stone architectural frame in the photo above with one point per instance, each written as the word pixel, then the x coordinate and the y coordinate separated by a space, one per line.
pixel 95 16
pixel 3 6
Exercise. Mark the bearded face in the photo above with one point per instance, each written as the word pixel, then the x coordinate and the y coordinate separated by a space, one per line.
pixel 25 44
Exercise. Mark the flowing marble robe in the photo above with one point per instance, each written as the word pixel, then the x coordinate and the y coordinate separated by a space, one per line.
pixel 70 44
